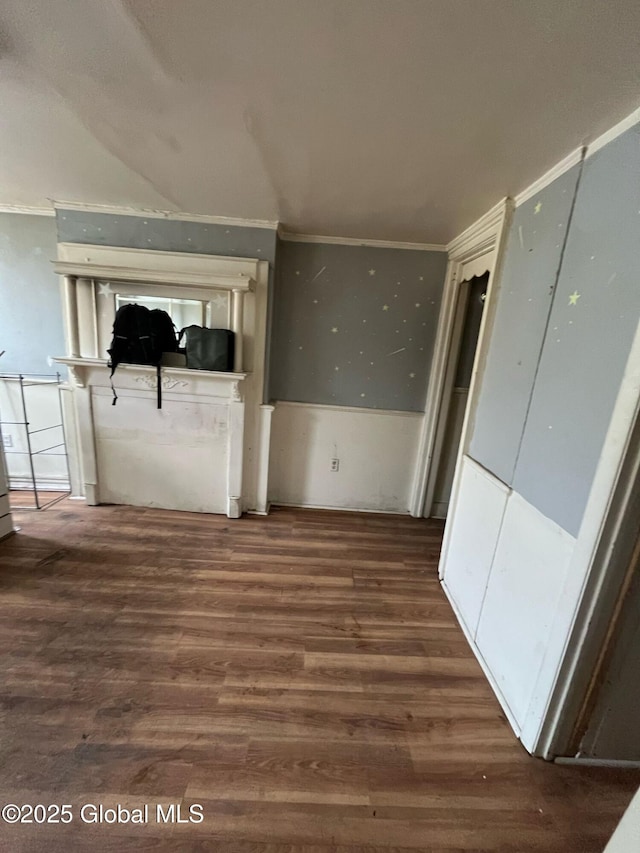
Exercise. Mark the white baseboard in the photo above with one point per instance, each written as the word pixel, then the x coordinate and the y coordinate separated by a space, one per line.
pixel 262 512
pixel 439 510
pixel 598 762
pixel 25 484
pixel 341 508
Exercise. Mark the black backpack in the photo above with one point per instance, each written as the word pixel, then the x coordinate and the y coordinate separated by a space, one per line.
pixel 141 336
pixel 208 349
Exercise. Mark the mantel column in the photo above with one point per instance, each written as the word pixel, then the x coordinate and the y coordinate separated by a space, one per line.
pixel 87 317
pixel 237 327
pixel 71 316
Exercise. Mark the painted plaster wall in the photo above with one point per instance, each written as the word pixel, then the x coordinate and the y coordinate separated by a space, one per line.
pixel 165 235
pixel 31 317
pixel 355 325
pixel 531 266
pixel 595 313
pixel 567 312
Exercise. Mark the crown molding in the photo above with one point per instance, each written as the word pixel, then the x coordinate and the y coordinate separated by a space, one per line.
pixel 550 176
pixel 292 237
pixel 617 130
pixel 581 153
pixel 27 210
pixel 172 215
pixel 484 229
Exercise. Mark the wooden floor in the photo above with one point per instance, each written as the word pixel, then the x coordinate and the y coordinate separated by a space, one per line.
pixel 300 676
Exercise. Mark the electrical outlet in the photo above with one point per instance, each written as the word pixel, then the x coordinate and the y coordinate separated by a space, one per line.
pixel 335 465
pixel 7 440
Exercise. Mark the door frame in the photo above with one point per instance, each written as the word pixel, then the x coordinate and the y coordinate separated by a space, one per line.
pixel 477 250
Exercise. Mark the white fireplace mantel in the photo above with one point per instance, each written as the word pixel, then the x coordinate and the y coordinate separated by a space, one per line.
pixel 207 449
pixel 208 382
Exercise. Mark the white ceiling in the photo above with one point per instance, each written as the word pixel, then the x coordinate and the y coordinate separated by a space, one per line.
pixel 381 119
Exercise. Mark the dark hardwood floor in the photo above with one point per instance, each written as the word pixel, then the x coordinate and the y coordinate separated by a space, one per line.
pixel 300 676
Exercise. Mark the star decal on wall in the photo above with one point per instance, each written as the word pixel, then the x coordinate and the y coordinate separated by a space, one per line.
pixel 335 330
pixel 372 272
pixel 412 376
pixel 418 304
pixel 385 307
pixel 336 368
pixel 219 301
pixel 573 298
pixel 538 207
pixel 105 288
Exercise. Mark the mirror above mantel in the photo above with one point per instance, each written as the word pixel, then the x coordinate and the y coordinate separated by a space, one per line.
pixel 96 278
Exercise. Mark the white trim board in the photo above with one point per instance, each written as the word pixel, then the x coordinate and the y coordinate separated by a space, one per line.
pixel 338 508
pixel 472 236
pixel 551 175
pixel 43 484
pixel 291 237
pixel 581 153
pixel 27 210
pixel 613 132
pixel 478 249
pixel 175 215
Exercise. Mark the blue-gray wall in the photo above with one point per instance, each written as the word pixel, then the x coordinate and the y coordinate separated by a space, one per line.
pixel 31 327
pixel 355 325
pixel 527 284
pixel 541 424
pixel 166 235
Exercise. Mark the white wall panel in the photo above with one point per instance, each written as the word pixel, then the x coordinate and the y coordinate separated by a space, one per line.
pixel 524 588
pixel 175 457
pixel 376 451
pixel 471 539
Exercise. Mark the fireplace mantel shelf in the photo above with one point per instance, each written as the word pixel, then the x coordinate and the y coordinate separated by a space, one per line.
pixel 146 368
pixel 178 380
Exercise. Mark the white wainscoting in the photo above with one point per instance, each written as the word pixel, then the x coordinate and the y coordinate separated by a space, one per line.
pixel 526 581
pixel 376 452
pixel 471 540
pixel 43 411
pixel 504 566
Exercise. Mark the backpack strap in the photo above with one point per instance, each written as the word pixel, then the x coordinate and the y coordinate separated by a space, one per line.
pixel 159 386
pixel 114 364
